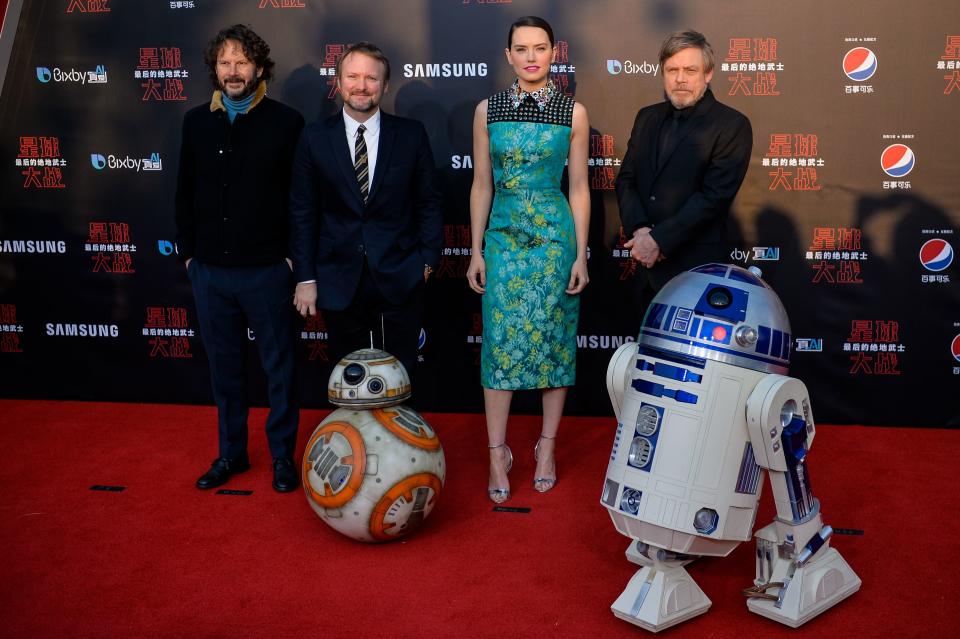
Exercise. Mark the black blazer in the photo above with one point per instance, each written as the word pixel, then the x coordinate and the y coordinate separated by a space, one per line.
pixel 685 196
pixel 233 181
pixel 400 230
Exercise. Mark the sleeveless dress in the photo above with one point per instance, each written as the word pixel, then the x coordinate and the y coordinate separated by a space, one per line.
pixel 529 321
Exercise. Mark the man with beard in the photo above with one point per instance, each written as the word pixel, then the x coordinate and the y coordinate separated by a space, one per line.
pixel 366 216
pixel 685 162
pixel 233 235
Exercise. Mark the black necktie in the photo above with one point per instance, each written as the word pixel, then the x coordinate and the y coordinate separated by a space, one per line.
pixel 360 166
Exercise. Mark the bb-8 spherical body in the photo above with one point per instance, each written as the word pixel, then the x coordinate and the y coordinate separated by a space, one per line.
pixel 373 468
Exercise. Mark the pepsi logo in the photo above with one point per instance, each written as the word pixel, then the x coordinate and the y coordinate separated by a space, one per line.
pixel 860 64
pixel 955 348
pixel 897 160
pixel 936 255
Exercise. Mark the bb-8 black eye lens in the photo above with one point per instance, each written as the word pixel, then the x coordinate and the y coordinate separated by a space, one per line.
pixel 353 374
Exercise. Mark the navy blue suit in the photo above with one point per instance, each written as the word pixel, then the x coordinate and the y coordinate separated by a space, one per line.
pixel 368 259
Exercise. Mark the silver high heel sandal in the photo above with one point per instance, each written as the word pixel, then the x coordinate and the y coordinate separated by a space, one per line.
pixel 543 484
pixel 500 495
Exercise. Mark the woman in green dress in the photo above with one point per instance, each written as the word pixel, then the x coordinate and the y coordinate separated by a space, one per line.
pixel 529 245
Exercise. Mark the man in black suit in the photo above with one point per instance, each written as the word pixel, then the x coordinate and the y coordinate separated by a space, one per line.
pixel 232 234
pixel 685 162
pixel 366 216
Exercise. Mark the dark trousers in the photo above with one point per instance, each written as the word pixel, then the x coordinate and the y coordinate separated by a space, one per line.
pixel 350 328
pixel 229 300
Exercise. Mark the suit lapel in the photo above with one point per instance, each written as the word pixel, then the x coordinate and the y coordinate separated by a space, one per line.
pixel 384 149
pixel 341 151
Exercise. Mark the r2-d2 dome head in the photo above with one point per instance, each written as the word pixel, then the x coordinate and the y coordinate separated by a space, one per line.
pixel 368 378
pixel 720 312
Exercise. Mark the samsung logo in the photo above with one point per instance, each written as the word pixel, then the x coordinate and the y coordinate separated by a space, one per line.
pixel 33 246
pixel 603 341
pixel 461 162
pixel 83 330
pixel 446 70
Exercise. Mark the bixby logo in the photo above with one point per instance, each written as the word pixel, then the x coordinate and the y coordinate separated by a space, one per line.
pixel 152 163
pixel 97 76
pixel 615 67
pixel 166 247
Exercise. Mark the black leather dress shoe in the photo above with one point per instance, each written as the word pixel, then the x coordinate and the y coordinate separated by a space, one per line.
pixel 285 476
pixel 221 470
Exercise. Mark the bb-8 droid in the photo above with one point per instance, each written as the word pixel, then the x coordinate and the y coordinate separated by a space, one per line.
pixel 372 470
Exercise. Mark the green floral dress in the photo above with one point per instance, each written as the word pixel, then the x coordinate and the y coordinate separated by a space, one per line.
pixel 529 321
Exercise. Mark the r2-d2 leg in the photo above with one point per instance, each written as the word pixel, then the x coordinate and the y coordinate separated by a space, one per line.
pixel 661 594
pixel 798 574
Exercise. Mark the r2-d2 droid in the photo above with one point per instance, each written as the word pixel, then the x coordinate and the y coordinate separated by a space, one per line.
pixel 703 407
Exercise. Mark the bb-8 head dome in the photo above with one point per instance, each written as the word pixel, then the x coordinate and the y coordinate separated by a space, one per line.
pixel 368 378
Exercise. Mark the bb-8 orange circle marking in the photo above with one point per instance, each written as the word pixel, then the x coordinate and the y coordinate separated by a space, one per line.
pixel 424 440
pixel 403 489
pixel 357 460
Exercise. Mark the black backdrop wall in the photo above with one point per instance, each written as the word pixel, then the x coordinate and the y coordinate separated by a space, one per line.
pixel 851 205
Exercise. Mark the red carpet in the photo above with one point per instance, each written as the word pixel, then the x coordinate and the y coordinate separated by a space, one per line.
pixel 162 559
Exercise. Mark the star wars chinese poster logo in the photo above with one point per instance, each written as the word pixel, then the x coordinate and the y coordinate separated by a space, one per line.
pixel 753 65
pixel 628 265
pixel 562 72
pixel 331 56
pixel 110 246
pixel 282 4
pixel 10 329
pixel 950 61
pixel 88 6
pixel 475 337
pixel 796 158
pixel 602 159
pixel 40 162
pixel 315 336
pixel 836 255
pixel 168 331
pixel 874 347
pixel 162 74
pixel 455 254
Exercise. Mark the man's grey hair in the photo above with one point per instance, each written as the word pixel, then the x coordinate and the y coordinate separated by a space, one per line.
pixel 681 40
